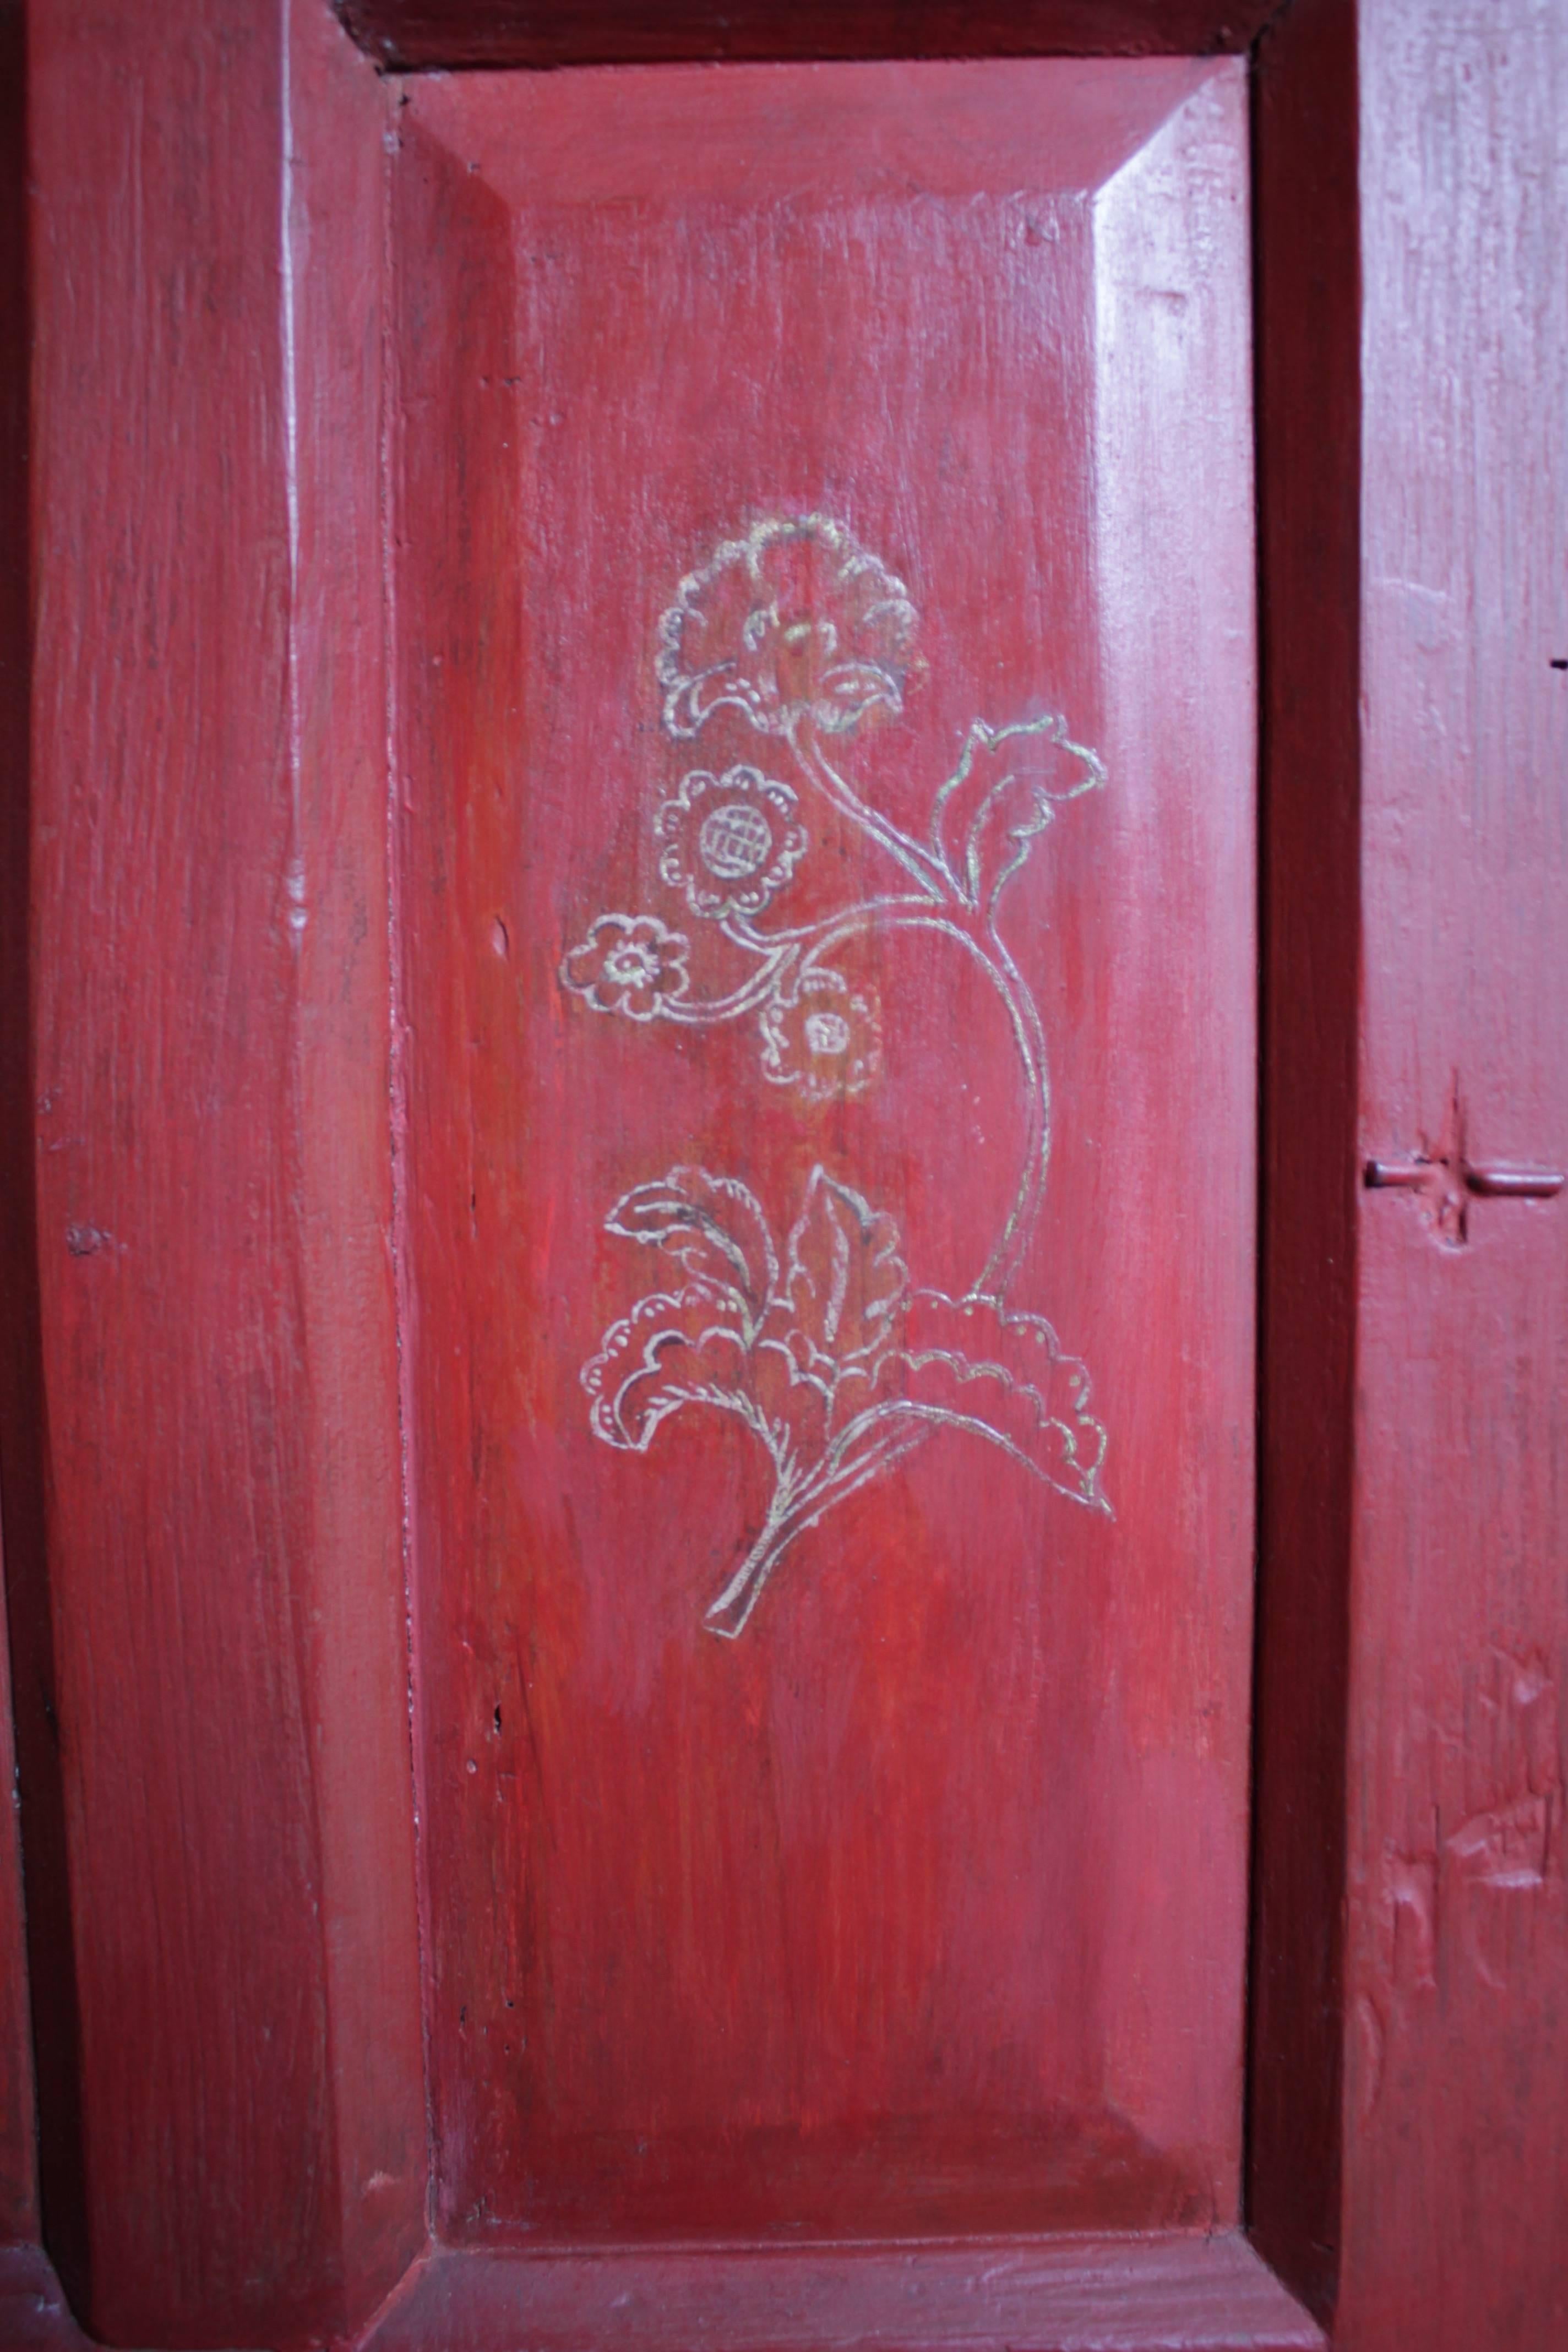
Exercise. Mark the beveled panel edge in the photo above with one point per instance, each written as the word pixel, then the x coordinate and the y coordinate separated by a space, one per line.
pixel 1166 2293
pixel 422 35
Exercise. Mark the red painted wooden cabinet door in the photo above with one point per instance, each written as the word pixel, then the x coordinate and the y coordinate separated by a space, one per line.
pixel 826 709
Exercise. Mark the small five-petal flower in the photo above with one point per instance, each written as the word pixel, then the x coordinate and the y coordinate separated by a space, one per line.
pixel 630 965
pixel 822 1036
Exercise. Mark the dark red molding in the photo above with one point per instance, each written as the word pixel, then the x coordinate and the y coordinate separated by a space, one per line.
pixel 1306 327
pixel 405 35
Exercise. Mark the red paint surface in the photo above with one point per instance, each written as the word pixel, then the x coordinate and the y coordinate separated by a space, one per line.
pixel 919 1905
pixel 227 1718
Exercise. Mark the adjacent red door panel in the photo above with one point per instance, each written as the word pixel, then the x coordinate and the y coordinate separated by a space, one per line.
pixel 824 720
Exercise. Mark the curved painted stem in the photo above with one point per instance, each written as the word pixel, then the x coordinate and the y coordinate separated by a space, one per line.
pixel 728 1615
pixel 793 1511
pixel 819 771
pixel 752 993
pixel 980 938
pixel 941 908
pixel 1030 1031
pixel 743 933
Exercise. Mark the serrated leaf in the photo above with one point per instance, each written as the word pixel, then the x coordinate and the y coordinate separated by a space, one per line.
pixel 843 1283
pixel 711 1226
pixel 688 1347
pixel 1004 793
pixel 966 1364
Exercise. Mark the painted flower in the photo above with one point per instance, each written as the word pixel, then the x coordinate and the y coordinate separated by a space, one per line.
pixel 822 1037
pixel 795 621
pixel 630 965
pixel 729 842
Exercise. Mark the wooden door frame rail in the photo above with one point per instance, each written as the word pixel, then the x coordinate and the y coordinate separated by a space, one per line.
pixel 130 608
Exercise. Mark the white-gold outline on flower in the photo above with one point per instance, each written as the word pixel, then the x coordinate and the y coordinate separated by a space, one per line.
pixel 822 1036
pixel 794 622
pixel 729 842
pixel 630 965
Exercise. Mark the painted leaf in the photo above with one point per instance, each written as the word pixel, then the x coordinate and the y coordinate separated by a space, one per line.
pixel 792 1409
pixel 688 1347
pixel 712 1225
pixel 1002 795
pixel 967 1363
pixel 847 691
pixel 843 1281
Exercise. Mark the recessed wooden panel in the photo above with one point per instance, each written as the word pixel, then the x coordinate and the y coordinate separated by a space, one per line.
pixel 824 719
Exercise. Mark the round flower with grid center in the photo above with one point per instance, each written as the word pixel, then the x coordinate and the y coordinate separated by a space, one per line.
pixel 729 842
pixel 630 965
pixel 824 1037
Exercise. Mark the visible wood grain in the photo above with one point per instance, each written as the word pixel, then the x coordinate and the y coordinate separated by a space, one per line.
pixel 213 1136
pixel 18 1329
pixel 1308 439
pixel 354 1589
pixel 1126 2294
pixel 406 35
pixel 1456 2174
pixel 917 1909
